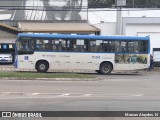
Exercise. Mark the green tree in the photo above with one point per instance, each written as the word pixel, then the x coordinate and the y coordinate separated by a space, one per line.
pixel 130 3
pixel 99 3
pixel 143 3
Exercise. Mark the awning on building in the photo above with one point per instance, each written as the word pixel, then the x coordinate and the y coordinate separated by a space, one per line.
pixel 61 27
pixel 8 26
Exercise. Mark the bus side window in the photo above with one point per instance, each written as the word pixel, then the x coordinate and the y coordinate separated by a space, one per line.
pixel 143 45
pixel 47 46
pixel 103 47
pixel 63 45
pixel 92 46
pixel 123 49
pixel 79 46
pixel 38 44
pixel 113 46
pixel 24 45
pixel 32 45
pixel 123 46
pixel 53 47
pixel 130 46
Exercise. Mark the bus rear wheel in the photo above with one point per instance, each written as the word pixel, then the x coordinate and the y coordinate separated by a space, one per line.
pixel 42 66
pixel 106 68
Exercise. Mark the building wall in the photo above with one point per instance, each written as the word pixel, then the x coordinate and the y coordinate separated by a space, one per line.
pixel 134 29
pixel 7 37
pixel 108 28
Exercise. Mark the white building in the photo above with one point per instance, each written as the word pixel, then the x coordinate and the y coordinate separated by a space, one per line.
pixel 131 22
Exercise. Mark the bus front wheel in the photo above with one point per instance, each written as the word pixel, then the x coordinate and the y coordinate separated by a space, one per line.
pixel 42 66
pixel 106 68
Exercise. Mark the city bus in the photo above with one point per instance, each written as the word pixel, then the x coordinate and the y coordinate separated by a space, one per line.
pixel 104 54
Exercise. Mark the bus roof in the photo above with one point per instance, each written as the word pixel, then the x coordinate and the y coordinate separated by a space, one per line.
pixel 65 36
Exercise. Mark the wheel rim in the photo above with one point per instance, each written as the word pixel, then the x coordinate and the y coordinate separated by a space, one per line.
pixel 42 67
pixel 106 68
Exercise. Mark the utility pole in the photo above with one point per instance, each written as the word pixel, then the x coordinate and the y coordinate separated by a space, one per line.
pixel 119 21
pixel 119 4
pixel 133 3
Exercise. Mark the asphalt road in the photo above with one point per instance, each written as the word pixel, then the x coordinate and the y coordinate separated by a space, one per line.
pixel 116 92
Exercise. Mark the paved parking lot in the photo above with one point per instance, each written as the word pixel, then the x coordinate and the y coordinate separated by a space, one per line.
pixel 115 92
pixel 7 67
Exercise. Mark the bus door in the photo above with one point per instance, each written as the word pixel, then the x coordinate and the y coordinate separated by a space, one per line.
pixel 25 52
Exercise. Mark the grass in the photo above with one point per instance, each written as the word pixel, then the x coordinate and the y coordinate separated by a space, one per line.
pixel 44 75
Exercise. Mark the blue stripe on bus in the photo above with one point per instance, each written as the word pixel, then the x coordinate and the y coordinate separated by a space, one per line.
pixel 62 36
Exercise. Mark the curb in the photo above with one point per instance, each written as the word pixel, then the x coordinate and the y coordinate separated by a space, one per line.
pixel 51 79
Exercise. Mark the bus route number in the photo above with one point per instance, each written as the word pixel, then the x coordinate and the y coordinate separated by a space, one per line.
pixel 95 57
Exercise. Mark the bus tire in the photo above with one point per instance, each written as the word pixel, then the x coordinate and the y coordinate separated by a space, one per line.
pixel 106 68
pixel 42 66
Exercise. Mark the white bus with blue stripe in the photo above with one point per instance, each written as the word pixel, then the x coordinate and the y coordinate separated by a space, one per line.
pixel 104 54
